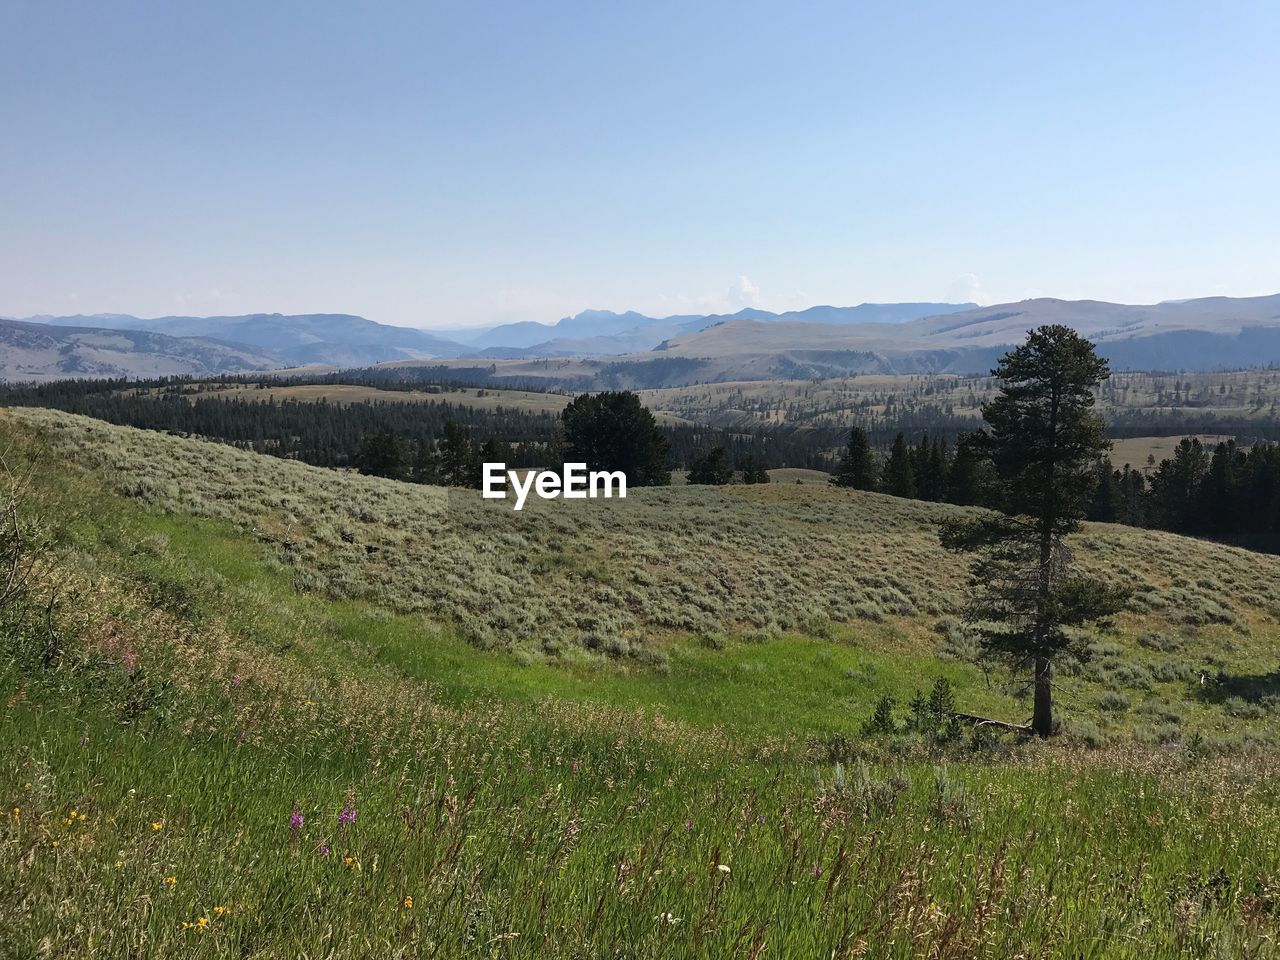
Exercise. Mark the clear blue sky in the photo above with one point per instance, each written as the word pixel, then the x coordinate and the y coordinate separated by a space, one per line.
pixel 438 164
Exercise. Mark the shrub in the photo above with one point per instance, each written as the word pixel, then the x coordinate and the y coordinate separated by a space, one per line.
pixel 1113 702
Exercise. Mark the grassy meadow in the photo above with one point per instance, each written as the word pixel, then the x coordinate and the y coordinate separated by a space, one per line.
pixel 259 709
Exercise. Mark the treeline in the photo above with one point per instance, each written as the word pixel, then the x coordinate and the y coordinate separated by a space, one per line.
pixel 330 434
pixel 317 432
pixel 930 469
pixel 1227 492
pixel 1230 493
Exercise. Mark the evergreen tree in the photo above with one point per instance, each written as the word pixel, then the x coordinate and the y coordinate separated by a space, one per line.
pixel 1133 494
pixel 899 478
pixel 1044 440
pixel 458 462
pixel 1176 483
pixel 425 467
pixel 383 455
pixel 713 469
pixel 1106 505
pixel 753 471
pixel 931 474
pixel 971 475
pixel 857 464
pixel 613 431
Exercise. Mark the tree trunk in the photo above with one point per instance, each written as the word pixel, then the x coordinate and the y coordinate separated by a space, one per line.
pixel 1042 717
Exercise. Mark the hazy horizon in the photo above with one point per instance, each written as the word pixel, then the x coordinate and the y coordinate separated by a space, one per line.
pixel 552 321
pixel 466 167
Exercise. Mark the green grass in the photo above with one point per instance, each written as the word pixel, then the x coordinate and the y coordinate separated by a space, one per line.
pixel 539 802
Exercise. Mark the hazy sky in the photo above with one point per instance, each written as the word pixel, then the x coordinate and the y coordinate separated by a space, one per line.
pixel 451 164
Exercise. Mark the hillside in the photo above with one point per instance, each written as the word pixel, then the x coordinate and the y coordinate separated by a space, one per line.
pixel 641 578
pixel 1205 334
pixel 605 333
pixel 460 724
pixel 332 339
pixel 37 352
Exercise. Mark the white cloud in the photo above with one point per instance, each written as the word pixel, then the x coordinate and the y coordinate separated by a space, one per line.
pixel 967 288
pixel 742 293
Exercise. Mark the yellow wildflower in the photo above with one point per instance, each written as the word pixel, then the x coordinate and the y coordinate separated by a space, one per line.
pixel 170 881
pixel 202 922
pixel 57 843
pixel 119 864
pixel 157 825
pixel 16 812
pixel 220 911
pixel 407 903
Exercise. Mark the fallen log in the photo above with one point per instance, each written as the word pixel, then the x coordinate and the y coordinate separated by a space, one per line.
pixel 988 722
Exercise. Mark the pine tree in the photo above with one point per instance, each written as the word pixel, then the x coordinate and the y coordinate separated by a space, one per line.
pixel 1176 483
pixel 899 478
pixel 753 471
pixel 614 431
pixel 383 455
pixel 970 476
pixel 1106 505
pixel 713 469
pixel 857 464
pixel 1044 440
pixel 458 462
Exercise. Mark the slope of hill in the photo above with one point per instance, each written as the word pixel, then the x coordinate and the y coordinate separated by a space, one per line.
pixel 1207 334
pixel 628 577
pixel 335 339
pixel 222 620
pixel 605 333
pixel 33 351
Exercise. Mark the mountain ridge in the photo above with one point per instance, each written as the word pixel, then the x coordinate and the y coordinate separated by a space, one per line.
pixel 1197 334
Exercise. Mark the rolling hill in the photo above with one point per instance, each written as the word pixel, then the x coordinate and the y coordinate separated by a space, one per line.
pixel 459 724
pixel 332 339
pixel 597 349
pixel 35 351
pixel 1208 334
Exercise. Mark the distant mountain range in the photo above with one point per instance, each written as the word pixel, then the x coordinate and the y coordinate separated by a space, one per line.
pixel 605 333
pixel 262 341
pixel 1202 334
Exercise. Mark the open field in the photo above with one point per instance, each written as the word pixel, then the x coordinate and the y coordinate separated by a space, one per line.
pixel 341 393
pixel 471 732
pixel 1144 453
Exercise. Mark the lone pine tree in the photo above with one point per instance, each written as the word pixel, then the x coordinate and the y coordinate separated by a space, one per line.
pixel 1044 441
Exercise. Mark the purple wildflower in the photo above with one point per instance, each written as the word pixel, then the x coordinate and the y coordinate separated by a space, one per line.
pixel 688 826
pixel 348 814
pixel 816 871
pixel 296 820
pixel 324 850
